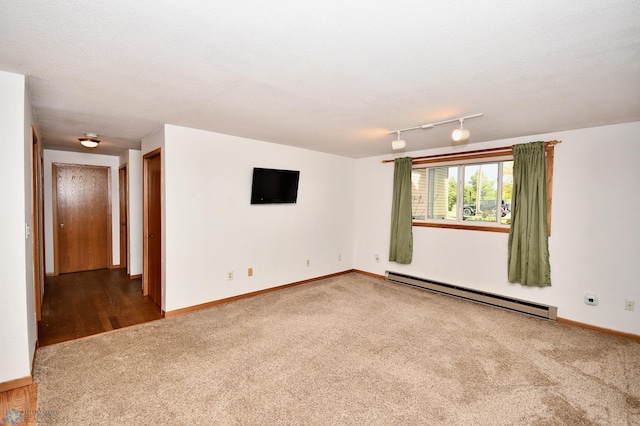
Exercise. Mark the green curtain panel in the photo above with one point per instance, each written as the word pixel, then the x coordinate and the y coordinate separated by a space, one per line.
pixel 401 249
pixel 528 235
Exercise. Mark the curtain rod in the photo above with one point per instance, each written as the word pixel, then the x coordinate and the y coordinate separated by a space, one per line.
pixel 477 151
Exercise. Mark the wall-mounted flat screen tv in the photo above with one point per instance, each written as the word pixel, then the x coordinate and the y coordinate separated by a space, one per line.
pixel 272 186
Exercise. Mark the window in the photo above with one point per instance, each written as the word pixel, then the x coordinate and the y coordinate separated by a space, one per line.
pixel 471 194
pixel 482 179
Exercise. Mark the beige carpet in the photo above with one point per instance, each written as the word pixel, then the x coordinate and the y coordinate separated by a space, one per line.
pixel 345 350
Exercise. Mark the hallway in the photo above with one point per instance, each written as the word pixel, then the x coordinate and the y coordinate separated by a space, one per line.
pixel 85 303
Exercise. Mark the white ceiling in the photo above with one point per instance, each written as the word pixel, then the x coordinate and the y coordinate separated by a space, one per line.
pixel 331 75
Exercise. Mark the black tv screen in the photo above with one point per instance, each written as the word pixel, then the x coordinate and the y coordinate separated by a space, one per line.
pixel 272 186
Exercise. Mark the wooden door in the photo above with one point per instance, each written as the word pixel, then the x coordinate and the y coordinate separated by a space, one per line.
pixel 153 227
pixel 82 219
pixel 124 227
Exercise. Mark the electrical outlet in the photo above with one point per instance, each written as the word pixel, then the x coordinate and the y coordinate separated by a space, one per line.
pixel 629 305
pixel 229 275
pixel 250 272
pixel 339 256
pixel 377 259
pixel 308 262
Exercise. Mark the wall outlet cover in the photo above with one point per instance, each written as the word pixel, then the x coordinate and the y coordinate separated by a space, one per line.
pixel 591 299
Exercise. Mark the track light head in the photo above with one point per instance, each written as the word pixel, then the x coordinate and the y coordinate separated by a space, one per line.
pixel 398 144
pixel 460 135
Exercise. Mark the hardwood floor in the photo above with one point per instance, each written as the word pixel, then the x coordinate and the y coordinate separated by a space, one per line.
pixel 18 406
pixel 85 303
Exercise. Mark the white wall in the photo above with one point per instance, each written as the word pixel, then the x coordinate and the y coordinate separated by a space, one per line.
pixel 17 319
pixel 135 212
pixel 595 242
pixel 53 156
pixel 211 228
pixel 133 160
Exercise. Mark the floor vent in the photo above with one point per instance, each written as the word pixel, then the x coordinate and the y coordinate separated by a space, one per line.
pixel 509 303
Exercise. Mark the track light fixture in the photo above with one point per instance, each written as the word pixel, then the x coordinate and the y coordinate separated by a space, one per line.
pixel 90 140
pixel 458 135
pixel 398 144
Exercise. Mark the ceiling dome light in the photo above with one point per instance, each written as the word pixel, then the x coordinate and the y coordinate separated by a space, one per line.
pixel 90 140
pixel 398 144
pixel 460 135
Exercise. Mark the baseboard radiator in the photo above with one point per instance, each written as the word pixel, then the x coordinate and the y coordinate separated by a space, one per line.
pixel 509 303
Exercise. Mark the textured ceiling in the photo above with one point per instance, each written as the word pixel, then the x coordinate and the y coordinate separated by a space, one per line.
pixel 330 75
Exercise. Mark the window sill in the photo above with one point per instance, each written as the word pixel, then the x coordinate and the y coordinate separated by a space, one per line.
pixel 486 228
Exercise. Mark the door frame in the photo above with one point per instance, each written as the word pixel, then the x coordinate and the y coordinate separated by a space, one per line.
pixel 145 222
pixel 37 218
pixel 123 220
pixel 54 212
